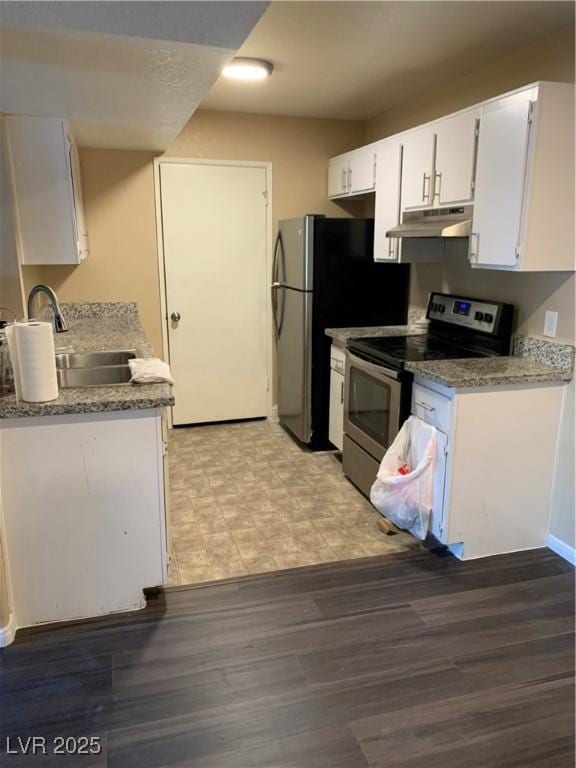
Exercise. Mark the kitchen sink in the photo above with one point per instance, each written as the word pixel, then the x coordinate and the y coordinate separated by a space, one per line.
pixel 94 359
pixel 106 376
pixel 94 369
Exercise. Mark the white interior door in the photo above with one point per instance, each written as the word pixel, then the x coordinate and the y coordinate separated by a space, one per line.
pixel 214 235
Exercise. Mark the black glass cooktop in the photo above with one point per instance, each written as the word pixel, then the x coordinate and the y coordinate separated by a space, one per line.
pixel 397 350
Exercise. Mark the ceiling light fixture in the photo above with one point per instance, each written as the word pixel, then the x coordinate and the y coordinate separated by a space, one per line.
pixel 242 68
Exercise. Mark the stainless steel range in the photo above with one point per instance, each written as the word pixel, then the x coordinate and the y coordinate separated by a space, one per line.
pixel 379 388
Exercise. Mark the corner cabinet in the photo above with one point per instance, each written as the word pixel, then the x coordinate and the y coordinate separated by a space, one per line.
pixel 46 191
pixel 353 173
pixel 524 201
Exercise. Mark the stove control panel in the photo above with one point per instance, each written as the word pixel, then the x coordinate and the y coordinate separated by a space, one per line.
pixel 467 313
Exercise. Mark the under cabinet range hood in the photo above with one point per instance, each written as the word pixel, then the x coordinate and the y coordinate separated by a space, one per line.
pixel 435 222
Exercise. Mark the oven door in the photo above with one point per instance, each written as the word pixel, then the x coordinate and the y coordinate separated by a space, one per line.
pixel 371 405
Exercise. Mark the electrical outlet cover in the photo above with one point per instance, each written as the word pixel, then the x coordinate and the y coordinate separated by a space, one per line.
pixel 550 324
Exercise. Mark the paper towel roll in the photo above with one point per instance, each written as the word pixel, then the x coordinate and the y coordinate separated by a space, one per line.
pixel 31 347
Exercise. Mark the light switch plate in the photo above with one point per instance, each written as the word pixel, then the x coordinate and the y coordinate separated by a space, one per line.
pixel 550 324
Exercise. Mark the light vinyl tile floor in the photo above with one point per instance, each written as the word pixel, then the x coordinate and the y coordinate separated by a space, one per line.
pixel 245 498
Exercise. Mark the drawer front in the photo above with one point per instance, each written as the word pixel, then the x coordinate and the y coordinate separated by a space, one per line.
pixel 432 407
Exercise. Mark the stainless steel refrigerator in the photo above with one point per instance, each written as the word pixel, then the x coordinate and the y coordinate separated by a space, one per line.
pixel 324 276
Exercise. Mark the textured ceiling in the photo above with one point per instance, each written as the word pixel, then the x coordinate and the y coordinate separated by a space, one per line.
pixel 130 90
pixel 351 60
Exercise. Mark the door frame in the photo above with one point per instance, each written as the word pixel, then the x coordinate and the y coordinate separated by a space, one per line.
pixel 267 166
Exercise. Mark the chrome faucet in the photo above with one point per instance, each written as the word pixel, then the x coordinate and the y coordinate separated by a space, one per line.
pixel 58 318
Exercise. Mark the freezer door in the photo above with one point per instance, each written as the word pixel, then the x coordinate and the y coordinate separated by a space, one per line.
pixel 295 257
pixel 294 363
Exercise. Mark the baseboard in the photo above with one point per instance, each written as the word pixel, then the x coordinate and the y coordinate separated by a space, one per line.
pixel 561 548
pixel 7 632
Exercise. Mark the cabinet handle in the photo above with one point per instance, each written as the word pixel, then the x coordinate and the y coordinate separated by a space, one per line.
pixel 175 317
pixel 349 179
pixel 437 191
pixel 425 406
pixel 344 173
pixel 342 393
pixel 473 253
pixel 425 195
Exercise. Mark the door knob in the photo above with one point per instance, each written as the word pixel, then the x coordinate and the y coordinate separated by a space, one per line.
pixel 175 316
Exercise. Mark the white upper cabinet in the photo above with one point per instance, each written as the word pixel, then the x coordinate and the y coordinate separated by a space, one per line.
pixel 353 173
pixel 338 176
pixel 524 198
pixel 455 155
pixel 387 207
pixel 438 162
pixel 502 154
pixel 362 170
pixel 46 191
pixel 418 168
pixel 511 158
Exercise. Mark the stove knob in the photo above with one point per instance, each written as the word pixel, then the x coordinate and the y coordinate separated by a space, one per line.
pixel 442 308
pixel 479 316
pixel 488 318
pixel 434 306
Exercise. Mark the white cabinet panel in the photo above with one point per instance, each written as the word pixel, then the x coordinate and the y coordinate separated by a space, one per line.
pixel 336 415
pixel 46 191
pixel 336 419
pixel 387 209
pixel 455 154
pixel 500 176
pixel 417 168
pixel 85 531
pixel 362 170
pixel 338 176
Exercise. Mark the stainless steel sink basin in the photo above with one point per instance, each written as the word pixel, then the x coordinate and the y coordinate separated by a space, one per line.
pixel 94 369
pixel 105 376
pixel 94 359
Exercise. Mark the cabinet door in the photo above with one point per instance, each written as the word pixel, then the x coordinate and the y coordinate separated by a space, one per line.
pixel 500 173
pixel 338 176
pixel 455 155
pixel 362 170
pixel 78 204
pixel 417 168
pixel 42 190
pixel 336 418
pixel 387 209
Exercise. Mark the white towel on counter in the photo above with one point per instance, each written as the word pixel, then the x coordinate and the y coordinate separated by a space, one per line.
pixel 150 370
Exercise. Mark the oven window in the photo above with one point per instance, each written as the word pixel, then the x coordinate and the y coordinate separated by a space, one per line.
pixel 369 405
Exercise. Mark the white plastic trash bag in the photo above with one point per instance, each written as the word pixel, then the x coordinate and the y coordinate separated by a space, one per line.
pixel 406 499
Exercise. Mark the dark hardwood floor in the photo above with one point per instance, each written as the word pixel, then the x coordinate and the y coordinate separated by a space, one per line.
pixel 404 661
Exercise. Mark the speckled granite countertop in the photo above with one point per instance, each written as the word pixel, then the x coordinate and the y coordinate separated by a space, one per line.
pixel 488 371
pixel 341 335
pixel 116 330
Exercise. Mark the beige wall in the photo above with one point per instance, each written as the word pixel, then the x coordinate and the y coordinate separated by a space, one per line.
pixel 118 189
pixel 119 199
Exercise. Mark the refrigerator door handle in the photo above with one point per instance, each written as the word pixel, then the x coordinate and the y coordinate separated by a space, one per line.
pixel 276 284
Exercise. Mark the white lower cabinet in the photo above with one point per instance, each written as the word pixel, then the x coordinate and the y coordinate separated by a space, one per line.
pixel 83 502
pixel 336 417
pixel 494 474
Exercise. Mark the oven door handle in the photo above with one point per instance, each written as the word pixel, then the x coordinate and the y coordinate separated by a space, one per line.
pixel 359 362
